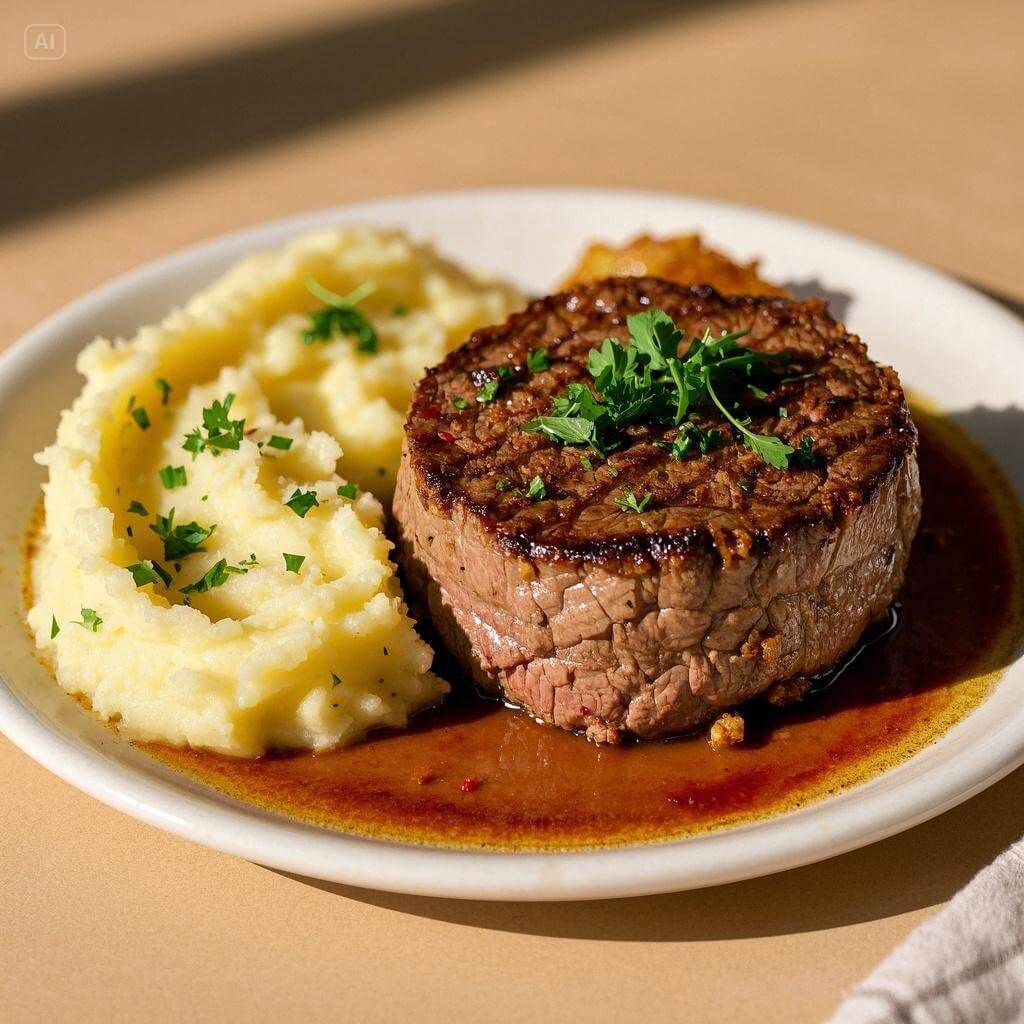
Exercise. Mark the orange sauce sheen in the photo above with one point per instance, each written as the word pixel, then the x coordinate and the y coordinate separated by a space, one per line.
pixel 474 774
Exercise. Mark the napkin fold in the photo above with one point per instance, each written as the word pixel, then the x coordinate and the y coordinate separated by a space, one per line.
pixel 964 966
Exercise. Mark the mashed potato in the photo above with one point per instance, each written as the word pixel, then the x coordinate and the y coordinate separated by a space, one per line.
pixel 239 595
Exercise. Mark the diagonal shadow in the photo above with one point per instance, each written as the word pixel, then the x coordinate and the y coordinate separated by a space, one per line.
pixel 81 142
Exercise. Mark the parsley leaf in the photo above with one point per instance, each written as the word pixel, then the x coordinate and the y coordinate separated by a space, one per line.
pixel 460 403
pixel 180 541
pixel 141 417
pixel 627 501
pixel 489 391
pixel 773 450
pixel 691 437
pixel 302 501
pixel 292 563
pixel 164 388
pixel 90 620
pixel 54 628
pixel 339 316
pixel 538 361
pixel 647 380
pixel 173 476
pixel 347 491
pixel 216 576
pixel 137 508
pixel 281 443
pixel 568 429
pixel 654 334
pixel 221 431
pixel 536 489
pixel 805 455
pixel 143 573
pixel 504 485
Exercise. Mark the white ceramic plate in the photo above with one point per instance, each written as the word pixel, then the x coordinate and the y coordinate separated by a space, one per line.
pixel 947 341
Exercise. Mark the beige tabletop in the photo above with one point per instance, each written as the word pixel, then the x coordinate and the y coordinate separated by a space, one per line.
pixel 165 124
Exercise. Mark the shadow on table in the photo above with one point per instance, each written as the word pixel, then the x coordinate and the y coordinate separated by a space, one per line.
pixel 86 140
pixel 917 869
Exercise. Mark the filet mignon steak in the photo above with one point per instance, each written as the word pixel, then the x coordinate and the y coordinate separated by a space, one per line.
pixel 734 576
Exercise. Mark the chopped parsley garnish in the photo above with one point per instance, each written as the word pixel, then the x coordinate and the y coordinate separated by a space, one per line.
pixel 281 443
pixel 54 628
pixel 648 380
pixel 302 501
pixel 773 450
pixel 536 490
pixel 339 316
pixel 783 412
pixel 149 572
pixel 221 431
pixel 504 485
pixel 627 501
pixel 138 509
pixel 293 563
pixel 459 402
pixel 216 576
pixel 173 476
pixel 164 389
pixel 141 417
pixel 142 573
pixel 90 620
pixel 805 455
pixel 348 491
pixel 399 310
pixel 537 361
pixel 587 464
pixel 691 438
pixel 336 680
pixel 488 392
pixel 180 541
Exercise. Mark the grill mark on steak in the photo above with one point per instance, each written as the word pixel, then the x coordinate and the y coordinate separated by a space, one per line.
pixel 853 410
pixel 617 623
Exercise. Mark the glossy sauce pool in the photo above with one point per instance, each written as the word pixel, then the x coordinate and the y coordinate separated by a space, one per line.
pixel 474 774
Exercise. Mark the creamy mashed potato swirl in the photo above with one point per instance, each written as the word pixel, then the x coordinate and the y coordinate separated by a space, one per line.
pixel 267 652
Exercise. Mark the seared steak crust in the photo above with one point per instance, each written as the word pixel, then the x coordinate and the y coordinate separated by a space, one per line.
pixel 734 577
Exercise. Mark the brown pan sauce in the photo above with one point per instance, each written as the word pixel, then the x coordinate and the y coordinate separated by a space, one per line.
pixel 474 774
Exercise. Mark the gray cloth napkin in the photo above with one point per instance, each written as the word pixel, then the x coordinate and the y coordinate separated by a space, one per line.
pixel 965 965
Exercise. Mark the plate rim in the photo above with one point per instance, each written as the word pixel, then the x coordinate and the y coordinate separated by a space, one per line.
pixel 840 824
